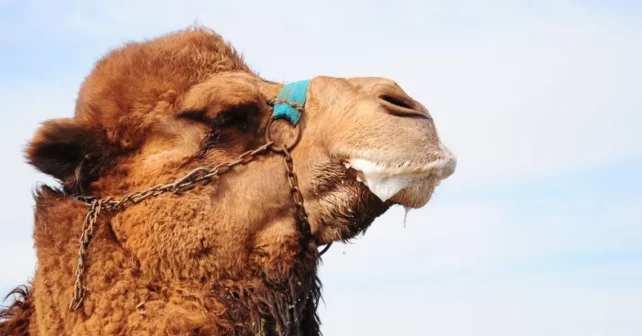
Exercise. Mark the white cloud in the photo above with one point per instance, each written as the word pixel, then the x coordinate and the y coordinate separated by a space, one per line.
pixel 467 269
pixel 18 263
pixel 480 238
pixel 498 306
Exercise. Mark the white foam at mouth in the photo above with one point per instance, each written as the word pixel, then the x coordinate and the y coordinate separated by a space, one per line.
pixel 385 182
pixel 381 181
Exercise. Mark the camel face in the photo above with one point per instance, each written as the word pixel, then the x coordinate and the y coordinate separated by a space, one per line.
pixel 367 145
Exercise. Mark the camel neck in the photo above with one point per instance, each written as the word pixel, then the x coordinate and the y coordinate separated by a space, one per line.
pixel 267 283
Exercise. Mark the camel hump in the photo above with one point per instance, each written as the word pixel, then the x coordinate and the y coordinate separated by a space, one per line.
pixel 15 319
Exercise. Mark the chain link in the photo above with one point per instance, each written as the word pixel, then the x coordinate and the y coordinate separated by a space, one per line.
pixel 301 216
pixel 199 175
pixel 85 237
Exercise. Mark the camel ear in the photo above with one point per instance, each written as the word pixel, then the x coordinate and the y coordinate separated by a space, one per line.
pixel 60 146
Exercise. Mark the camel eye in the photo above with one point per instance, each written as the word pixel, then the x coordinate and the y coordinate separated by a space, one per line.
pixel 230 118
pixel 235 117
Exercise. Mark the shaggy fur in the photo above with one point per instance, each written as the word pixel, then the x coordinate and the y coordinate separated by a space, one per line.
pixel 225 258
pixel 16 317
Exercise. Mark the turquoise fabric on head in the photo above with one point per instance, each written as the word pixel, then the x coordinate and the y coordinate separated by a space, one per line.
pixel 290 101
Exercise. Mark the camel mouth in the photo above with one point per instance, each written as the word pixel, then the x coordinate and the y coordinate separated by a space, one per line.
pixel 409 184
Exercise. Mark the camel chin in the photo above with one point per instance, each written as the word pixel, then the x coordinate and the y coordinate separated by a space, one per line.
pixel 417 194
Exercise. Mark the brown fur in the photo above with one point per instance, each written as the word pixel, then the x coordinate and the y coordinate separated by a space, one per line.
pixel 225 258
pixel 15 319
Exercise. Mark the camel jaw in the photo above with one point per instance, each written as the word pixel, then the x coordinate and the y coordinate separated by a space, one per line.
pixel 408 184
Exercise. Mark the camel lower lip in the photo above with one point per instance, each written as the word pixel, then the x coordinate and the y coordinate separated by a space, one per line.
pixel 383 181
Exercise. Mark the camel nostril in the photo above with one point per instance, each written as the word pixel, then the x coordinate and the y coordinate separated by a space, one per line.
pixel 395 101
pixel 403 107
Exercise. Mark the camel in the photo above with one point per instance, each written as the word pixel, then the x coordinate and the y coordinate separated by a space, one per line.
pixel 187 206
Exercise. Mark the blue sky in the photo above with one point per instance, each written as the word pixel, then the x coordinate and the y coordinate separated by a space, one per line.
pixel 539 232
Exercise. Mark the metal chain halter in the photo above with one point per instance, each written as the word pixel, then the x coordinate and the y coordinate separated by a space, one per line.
pixel 201 175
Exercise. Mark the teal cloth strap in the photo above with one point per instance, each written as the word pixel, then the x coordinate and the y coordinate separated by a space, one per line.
pixel 290 101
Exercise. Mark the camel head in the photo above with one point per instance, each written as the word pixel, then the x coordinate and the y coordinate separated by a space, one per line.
pixel 227 256
pixel 150 112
